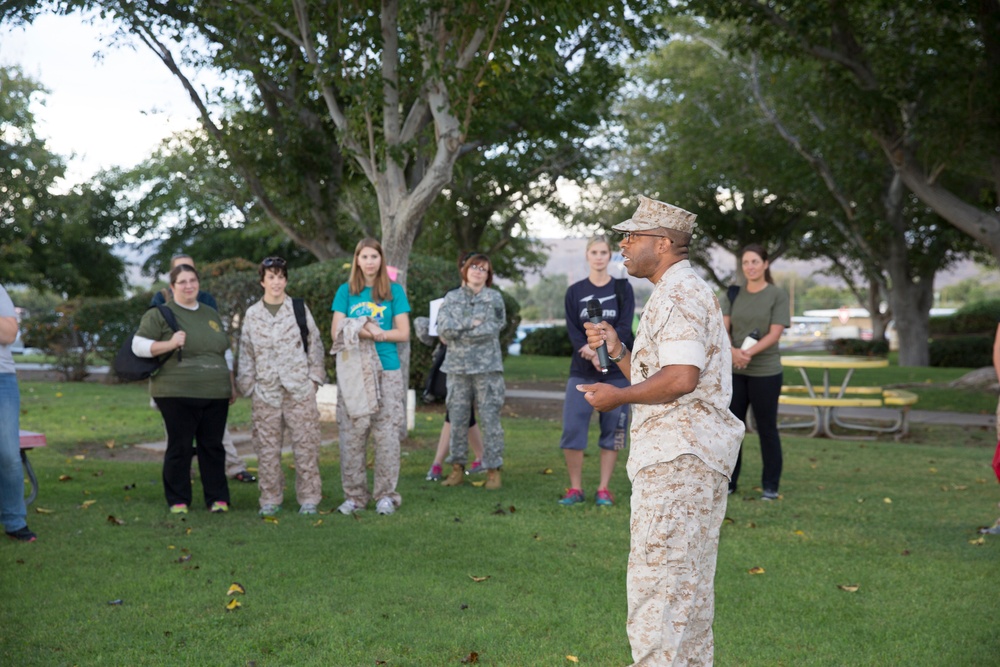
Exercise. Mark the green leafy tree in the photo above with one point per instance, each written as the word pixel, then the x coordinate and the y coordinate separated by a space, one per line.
pixel 920 77
pixel 59 241
pixel 394 94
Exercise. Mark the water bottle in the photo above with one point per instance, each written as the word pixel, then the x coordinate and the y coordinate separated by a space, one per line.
pixel 750 340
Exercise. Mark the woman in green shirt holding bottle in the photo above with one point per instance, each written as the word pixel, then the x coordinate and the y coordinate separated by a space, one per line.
pixel 755 318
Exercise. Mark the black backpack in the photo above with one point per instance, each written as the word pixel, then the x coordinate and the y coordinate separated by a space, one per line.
pixel 299 308
pixel 131 368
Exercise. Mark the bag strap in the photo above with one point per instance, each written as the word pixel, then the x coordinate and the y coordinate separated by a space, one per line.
pixel 299 306
pixel 620 292
pixel 171 319
pixel 731 293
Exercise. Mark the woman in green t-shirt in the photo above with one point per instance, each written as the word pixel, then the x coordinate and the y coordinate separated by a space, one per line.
pixel 193 391
pixel 755 319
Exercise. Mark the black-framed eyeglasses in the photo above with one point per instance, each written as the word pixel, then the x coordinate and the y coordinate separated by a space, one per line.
pixel 627 236
pixel 273 262
pixel 480 268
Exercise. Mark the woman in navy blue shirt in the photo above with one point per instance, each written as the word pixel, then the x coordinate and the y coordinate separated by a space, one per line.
pixel 617 308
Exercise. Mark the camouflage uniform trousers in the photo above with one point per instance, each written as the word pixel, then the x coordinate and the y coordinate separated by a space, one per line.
pixel 385 427
pixel 677 512
pixel 299 420
pixel 487 389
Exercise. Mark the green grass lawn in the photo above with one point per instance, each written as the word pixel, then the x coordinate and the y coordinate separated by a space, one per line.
pixel 897 520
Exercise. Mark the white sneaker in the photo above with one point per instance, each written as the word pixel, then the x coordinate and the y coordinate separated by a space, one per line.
pixel 349 507
pixel 269 510
pixel 308 508
pixel 385 506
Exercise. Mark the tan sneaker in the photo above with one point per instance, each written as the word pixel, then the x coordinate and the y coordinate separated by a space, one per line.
pixel 456 477
pixel 493 479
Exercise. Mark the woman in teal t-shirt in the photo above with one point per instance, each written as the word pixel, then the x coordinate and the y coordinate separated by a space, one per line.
pixel 369 293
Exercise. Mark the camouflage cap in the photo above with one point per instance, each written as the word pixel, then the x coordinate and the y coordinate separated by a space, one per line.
pixel 653 214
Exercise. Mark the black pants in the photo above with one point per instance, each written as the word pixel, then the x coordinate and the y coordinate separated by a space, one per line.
pixel 188 420
pixel 760 393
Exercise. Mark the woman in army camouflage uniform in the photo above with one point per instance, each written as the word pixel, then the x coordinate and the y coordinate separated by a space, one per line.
pixel 469 323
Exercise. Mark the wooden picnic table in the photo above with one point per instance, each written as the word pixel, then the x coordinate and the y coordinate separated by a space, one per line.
pixel 30 440
pixel 825 399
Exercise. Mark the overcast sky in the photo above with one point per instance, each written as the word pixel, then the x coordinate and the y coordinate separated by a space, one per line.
pixel 107 106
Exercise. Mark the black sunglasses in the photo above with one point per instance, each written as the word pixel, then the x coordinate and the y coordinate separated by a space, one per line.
pixel 275 262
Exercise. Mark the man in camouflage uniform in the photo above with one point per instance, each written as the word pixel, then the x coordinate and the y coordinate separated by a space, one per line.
pixel 281 373
pixel 684 440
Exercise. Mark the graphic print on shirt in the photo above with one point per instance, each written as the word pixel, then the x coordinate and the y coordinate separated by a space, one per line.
pixel 369 308
pixel 607 314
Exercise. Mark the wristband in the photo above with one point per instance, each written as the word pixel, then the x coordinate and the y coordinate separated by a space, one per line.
pixel 621 355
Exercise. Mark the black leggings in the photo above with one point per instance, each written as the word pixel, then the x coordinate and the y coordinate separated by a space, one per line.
pixel 760 393
pixel 190 420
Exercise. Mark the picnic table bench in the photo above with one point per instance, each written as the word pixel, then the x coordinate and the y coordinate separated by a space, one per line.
pixel 825 409
pixel 30 440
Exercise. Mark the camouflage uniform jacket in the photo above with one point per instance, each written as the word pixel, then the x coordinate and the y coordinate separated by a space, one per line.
pixel 470 324
pixel 682 325
pixel 358 368
pixel 271 356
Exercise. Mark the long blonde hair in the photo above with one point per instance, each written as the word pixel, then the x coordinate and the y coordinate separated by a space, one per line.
pixel 381 286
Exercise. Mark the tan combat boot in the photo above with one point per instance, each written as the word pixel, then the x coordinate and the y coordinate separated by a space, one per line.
pixel 456 477
pixel 493 479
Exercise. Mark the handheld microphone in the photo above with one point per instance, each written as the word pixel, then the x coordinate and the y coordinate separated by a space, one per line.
pixel 594 312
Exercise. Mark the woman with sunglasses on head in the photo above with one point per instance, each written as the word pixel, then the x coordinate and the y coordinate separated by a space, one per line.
pixel 617 308
pixel 193 390
pixel 755 317
pixel 280 370
pixel 469 323
pixel 370 296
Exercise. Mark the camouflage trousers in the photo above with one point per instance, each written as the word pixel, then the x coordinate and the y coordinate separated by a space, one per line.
pixel 487 390
pixel 299 418
pixel 385 427
pixel 677 512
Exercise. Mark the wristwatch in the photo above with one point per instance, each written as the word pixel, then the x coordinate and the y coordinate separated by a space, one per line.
pixel 621 355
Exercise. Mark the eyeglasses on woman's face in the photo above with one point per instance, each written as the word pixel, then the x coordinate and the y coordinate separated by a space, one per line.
pixel 480 268
pixel 627 236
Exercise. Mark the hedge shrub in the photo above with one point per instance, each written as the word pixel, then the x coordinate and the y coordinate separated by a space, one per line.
pixel 961 351
pixel 974 318
pixel 548 341
pixel 858 348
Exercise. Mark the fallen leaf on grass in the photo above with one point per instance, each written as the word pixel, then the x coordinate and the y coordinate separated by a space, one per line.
pixel 481 482
pixel 233 605
pixel 185 558
pixel 42 510
pixel 115 521
pixel 86 503
pixel 536 537
pixel 800 533
pixel 80 457
pixel 850 588
pixel 64 478
pixel 757 569
pixel 932 469
pixel 471 659
pixel 979 542
pixel 572 658
pixel 317 523
pixel 271 519
pixel 236 589
pixel 887 501
pixel 727 521
pixel 547 471
pixel 116 603
pixel 479 579
pixel 110 444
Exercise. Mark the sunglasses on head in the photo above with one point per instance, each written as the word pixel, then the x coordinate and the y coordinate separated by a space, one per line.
pixel 273 262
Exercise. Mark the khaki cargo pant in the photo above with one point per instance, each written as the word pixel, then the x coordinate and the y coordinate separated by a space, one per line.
pixel 301 417
pixel 385 427
pixel 677 512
